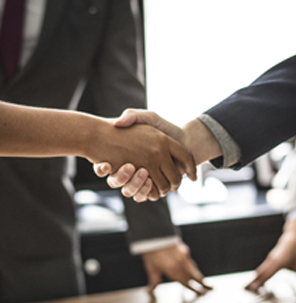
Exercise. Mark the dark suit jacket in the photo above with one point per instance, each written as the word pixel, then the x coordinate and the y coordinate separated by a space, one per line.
pixel 79 48
pixel 263 114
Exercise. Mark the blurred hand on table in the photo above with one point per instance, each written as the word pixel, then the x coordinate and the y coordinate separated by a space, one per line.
pixel 283 255
pixel 176 264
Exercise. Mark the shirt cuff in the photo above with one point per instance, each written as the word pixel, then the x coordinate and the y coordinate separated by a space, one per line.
pixel 230 149
pixel 144 246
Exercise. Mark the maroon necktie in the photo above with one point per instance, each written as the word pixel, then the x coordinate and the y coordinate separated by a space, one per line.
pixel 11 36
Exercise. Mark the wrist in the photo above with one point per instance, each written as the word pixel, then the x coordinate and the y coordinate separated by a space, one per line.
pixel 92 137
pixel 201 142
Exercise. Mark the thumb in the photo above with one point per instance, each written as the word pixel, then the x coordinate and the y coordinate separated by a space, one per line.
pixel 133 116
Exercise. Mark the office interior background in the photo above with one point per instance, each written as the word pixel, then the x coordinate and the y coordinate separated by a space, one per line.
pixel 197 54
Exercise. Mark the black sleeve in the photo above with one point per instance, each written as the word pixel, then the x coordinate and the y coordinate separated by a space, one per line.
pixel 262 115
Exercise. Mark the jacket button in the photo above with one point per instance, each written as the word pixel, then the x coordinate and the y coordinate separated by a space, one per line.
pixel 92 267
pixel 92 10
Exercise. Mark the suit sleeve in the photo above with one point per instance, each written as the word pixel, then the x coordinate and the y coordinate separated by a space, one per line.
pixel 149 221
pixel 262 115
pixel 118 83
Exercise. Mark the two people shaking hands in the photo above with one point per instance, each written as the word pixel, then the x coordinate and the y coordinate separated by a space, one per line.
pixel 147 155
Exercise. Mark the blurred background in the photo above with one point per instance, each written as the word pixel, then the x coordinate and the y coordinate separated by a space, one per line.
pixel 197 54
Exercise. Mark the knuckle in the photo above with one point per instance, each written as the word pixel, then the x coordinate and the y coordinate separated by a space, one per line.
pixel 128 111
pixel 185 249
pixel 131 112
pixel 120 179
pixel 142 174
pixel 171 267
pixel 155 152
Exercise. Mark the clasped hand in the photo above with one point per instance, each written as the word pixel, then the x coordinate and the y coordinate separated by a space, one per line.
pixel 164 159
pixel 152 144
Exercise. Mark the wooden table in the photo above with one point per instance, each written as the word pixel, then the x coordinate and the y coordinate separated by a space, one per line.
pixel 227 288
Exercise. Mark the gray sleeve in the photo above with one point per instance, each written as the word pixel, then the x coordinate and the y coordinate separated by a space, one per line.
pixel 230 149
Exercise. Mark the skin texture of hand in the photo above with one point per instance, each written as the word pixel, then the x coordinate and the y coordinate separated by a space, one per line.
pixel 39 132
pixel 283 255
pixel 195 136
pixel 134 183
pixel 145 146
pixel 175 263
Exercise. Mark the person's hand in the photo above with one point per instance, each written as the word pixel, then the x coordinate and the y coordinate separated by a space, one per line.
pixel 283 255
pixel 194 135
pixel 145 146
pixel 175 263
pixel 139 116
pixel 136 184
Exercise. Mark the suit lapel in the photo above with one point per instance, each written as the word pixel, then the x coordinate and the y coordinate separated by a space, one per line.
pixel 53 15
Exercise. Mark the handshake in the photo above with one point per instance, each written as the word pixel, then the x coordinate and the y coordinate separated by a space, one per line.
pixel 142 153
pixel 147 155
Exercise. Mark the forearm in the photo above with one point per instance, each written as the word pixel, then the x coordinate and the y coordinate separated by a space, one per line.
pixel 201 142
pixel 37 132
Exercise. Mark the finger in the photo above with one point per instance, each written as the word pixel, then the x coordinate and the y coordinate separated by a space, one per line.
pixel 191 268
pixel 179 153
pixel 160 180
pixel 265 271
pixel 185 279
pixel 154 194
pixel 172 174
pixel 102 169
pixel 196 287
pixel 180 168
pixel 142 194
pixel 135 183
pixel 122 176
pixel 197 275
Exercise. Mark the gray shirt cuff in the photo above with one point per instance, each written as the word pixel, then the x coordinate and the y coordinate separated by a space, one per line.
pixel 230 149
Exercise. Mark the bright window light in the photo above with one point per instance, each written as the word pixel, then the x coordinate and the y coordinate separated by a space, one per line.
pixel 199 52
